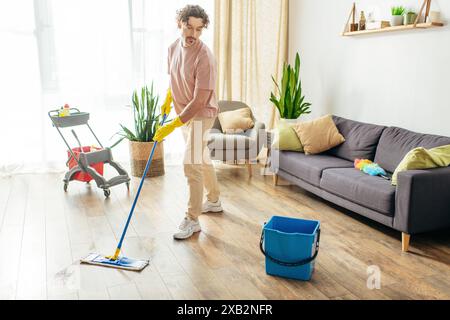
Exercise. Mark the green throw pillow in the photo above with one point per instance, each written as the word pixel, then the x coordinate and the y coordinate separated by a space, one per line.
pixel 421 158
pixel 286 139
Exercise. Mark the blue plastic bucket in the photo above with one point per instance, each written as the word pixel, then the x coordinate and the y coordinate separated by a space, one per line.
pixel 290 247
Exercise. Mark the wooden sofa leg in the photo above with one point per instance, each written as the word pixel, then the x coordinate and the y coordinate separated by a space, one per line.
pixel 249 168
pixel 275 179
pixel 405 242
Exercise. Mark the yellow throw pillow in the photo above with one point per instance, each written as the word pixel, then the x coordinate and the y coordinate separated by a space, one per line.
pixel 319 135
pixel 421 158
pixel 236 121
pixel 285 138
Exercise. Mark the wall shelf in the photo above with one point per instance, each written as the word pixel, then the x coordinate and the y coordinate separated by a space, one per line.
pixel 391 29
pixel 415 26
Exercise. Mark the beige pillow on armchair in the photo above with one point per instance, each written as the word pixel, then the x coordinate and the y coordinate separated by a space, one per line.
pixel 236 121
pixel 319 135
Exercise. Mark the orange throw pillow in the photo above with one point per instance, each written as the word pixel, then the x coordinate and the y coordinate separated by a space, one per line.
pixel 236 121
pixel 319 135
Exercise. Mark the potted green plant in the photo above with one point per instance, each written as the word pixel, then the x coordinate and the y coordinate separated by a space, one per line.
pixel 146 116
pixel 409 18
pixel 291 101
pixel 397 16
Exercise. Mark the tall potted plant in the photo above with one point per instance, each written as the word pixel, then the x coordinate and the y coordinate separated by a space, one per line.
pixel 291 101
pixel 146 116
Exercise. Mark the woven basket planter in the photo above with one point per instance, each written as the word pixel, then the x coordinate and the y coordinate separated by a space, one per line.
pixel 139 154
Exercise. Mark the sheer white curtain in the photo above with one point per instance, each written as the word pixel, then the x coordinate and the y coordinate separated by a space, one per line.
pixel 89 54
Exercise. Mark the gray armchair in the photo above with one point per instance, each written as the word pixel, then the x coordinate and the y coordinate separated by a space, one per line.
pixel 236 147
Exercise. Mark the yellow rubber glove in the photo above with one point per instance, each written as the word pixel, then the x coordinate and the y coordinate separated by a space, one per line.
pixel 166 107
pixel 167 129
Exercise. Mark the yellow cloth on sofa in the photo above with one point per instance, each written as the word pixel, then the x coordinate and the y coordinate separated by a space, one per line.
pixel 285 138
pixel 421 158
pixel 236 121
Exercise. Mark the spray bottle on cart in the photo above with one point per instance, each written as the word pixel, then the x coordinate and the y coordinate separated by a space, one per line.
pixel 64 111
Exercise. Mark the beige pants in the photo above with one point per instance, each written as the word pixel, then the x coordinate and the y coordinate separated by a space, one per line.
pixel 198 167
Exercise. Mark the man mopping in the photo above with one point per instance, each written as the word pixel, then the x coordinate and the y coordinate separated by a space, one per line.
pixel 192 70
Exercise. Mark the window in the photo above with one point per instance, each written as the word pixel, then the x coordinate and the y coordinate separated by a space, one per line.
pixel 90 54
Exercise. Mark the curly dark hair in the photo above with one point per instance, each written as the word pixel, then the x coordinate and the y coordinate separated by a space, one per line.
pixel 193 11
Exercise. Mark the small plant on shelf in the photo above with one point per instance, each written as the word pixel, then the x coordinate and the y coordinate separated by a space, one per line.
pixel 398 11
pixel 397 15
pixel 410 17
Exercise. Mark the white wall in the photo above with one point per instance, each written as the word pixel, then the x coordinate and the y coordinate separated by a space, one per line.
pixel 399 79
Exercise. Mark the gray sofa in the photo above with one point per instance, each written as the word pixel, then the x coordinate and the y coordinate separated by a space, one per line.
pixel 420 202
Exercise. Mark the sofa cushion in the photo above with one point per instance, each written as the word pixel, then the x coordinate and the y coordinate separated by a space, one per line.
pixel 395 143
pixel 371 192
pixel 319 135
pixel 421 158
pixel 309 168
pixel 361 139
pixel 285 138
pixel 239 141
pixel 236 121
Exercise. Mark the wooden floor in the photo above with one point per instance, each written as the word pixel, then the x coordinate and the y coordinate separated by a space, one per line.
pixel 44 232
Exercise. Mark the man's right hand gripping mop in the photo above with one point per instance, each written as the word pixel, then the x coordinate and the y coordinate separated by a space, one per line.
pixel 116 261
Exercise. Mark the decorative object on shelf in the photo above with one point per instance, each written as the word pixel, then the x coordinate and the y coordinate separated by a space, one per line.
pixel 362 22
pixel 409 18
pixel 425 3
pixel 435 17
pixel 291 102
pixel 353 25
pixel 397 16
pixel 427 10
pixel 377 25
pixel 384 26
pixel 370 17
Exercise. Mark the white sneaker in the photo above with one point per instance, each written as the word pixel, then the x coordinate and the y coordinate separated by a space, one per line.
pixel 187 229
pixel 212 207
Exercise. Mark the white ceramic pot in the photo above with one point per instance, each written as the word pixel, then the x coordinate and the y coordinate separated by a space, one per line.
pixel 289 121
pixel 396 21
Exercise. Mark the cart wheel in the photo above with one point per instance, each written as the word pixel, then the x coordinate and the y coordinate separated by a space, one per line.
pixel 107 192
pixel 65 186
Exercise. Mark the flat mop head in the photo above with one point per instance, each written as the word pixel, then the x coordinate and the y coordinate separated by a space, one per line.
pixel 121 263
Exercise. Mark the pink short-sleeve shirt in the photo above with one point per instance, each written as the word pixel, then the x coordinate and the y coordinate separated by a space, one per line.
pixel 189 69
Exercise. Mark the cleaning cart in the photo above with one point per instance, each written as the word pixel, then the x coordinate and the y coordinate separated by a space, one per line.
pixel 86 163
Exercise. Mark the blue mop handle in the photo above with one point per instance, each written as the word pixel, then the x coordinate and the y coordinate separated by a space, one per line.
pixel 150 159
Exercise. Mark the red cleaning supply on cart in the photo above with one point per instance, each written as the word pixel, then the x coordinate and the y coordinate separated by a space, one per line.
pixel 84 176
pixel 64 111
